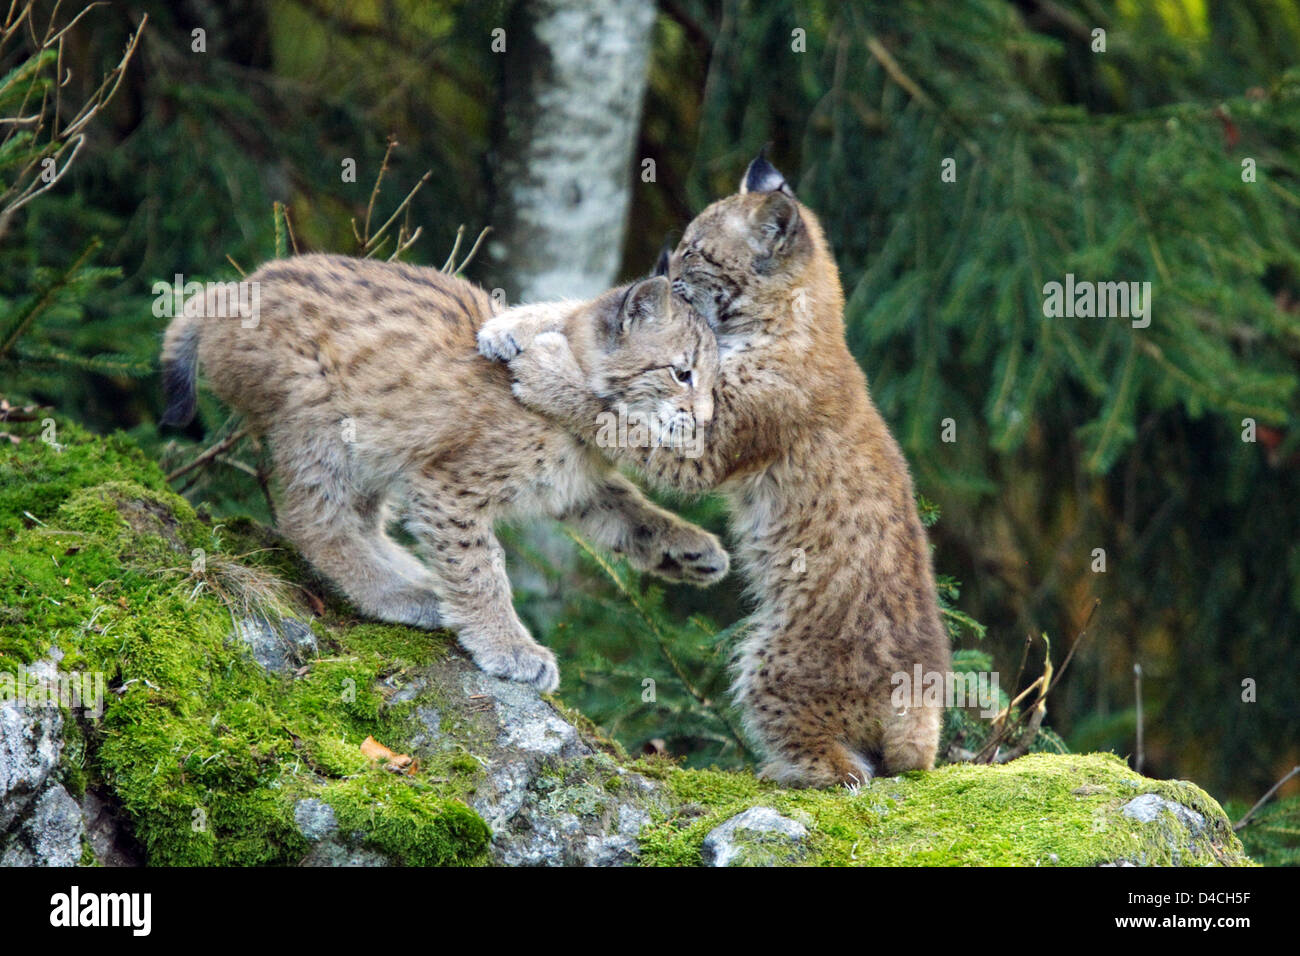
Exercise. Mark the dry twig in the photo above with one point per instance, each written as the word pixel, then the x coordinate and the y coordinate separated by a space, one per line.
pixel 208 455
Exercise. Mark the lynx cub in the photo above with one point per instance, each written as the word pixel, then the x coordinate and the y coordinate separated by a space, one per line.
pixel 825 525
pixel 365 378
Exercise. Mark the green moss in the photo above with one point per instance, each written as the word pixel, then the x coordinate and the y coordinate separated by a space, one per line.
pixel 1025 813
pixel 403 647
pixel 463 763
pixel 407 820
pixel 74 755
pixel 36 478
pixel 207 753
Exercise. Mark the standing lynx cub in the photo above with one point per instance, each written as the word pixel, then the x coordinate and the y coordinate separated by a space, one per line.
pixel 365 378
pixel 824 522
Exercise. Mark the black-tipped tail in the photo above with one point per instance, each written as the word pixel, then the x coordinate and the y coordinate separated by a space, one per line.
pixel 180 371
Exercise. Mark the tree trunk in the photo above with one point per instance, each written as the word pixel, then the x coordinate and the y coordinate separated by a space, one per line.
pixel 574 79
pixel 574 75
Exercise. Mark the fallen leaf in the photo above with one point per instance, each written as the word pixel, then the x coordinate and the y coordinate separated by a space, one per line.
pixel 372 749
pixel 317 605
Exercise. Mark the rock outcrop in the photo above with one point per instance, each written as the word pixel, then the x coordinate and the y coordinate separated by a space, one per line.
pixel 237 726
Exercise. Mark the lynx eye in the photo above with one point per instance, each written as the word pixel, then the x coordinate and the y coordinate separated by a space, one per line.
pixel 682 376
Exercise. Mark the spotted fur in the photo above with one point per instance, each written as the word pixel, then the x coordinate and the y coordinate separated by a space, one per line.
pixel 365 378
pixel 824 522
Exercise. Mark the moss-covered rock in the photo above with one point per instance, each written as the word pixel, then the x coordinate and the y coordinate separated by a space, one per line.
pixel 1040 810
pixel 216 746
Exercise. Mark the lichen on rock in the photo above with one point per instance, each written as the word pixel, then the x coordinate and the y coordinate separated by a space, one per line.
pixel 757 837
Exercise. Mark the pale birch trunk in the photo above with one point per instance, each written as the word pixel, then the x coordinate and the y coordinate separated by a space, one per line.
pixel 574 78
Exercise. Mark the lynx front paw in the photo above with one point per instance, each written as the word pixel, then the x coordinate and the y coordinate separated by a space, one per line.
pixel 496 340
pixel 695 557
pixel 527 663
pixel 545 366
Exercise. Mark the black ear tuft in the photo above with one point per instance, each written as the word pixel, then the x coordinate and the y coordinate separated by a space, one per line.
pixel 661 264
pixel 763 177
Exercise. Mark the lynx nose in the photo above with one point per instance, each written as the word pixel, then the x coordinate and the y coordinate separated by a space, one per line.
pixel 703 410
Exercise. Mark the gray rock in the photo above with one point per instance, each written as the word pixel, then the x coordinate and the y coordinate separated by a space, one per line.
pixel 758 837
pixel 50 835
pixel 330 853
pixel 619 847
pixel 529 735
pixel 108 833
pixel 1149 806
pixel 31 739
pixel 317 822
pixel 529 725
pixel 429 737
pixel 280 646
pixel 548 796
pixel 315 819
pixel 576 821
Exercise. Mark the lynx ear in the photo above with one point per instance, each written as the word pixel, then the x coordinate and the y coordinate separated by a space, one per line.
pixel 644 301
pixel 776 228
pixel 763 177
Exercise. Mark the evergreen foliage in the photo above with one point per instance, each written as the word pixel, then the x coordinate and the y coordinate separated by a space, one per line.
pixel 1272 837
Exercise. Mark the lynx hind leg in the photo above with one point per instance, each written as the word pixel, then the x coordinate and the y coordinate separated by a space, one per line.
pixel 911 739
pixel 798 727
pixel 341 533
pixel 815 761
pixel 469 564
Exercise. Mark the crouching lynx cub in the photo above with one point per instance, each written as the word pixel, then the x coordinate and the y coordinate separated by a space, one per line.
pixel 365 378
pixel 824 522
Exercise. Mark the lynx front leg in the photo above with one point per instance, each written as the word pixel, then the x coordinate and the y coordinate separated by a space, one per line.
pixel 620 518
pixel 470 567
pixel 504 336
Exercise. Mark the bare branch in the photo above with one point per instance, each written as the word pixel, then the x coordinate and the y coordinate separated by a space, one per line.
pixel 208 455
pixel 473 250
pixel 1240 824
pixel 38 175
pixel 455 247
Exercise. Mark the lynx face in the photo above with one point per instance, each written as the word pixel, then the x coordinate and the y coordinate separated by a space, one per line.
pixel 655 356
pixel 742 253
